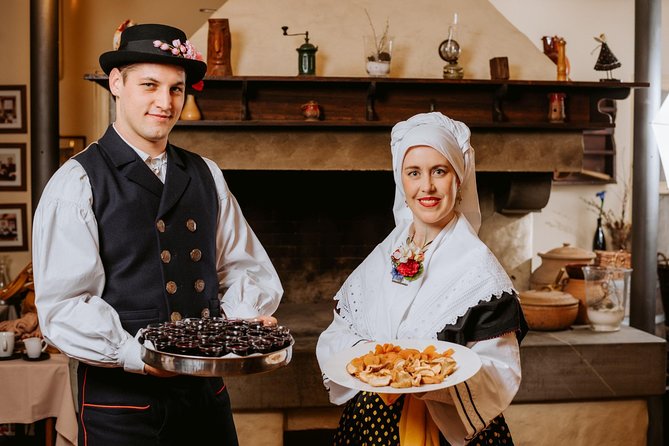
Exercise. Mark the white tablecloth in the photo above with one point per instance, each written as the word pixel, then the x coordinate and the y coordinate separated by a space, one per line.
pixel 36 390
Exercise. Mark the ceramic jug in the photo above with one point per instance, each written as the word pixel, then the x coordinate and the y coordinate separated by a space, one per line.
pixel 554 260
pixel 190 112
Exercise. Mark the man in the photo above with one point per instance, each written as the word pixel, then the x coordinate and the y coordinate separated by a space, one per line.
pixel 134 230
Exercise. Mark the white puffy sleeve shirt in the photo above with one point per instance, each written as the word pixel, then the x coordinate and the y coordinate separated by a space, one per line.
pixel 69 275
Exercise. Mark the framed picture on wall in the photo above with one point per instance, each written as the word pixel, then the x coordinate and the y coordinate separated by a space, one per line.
pixel 13 227
pixel 12 109
pixel 12 166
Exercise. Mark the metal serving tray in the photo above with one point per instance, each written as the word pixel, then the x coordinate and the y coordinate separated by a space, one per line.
pixel 218 366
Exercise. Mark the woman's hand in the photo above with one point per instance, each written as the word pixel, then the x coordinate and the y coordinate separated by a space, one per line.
pixel 267 320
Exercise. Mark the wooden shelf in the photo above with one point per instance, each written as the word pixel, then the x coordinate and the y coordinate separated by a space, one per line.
pixel 381 124
pixel 371 104
pixel 279 123
pixel 381 102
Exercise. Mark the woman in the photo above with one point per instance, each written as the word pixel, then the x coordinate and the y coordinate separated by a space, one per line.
pixel 431 278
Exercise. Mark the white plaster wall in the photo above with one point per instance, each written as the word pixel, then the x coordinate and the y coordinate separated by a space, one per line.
pixel 337 28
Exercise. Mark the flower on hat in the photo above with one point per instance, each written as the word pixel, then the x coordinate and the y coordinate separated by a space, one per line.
pixel 178 49
pixel 185 50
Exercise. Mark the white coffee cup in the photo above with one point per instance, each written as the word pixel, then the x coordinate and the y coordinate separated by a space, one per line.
pixel 34 347
pixel 6 344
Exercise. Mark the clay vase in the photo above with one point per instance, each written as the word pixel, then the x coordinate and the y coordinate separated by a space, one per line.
pixel 311 111
pixel 218 48
pixel 561 60
pixel 190 112
pixel 556 113
pixel 576 287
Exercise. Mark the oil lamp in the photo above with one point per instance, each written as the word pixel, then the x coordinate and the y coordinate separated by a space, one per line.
pixel 306 54
pixel 449 50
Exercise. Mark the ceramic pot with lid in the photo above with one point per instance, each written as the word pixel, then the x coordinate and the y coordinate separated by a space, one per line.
pixel 554 260
pixel 548 310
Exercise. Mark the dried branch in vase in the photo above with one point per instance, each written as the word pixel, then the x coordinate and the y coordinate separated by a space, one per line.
pixel 381 52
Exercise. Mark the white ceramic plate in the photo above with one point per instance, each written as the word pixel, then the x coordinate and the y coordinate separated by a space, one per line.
pixel 468 363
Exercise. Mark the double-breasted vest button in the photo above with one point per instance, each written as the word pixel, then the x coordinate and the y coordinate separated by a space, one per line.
pixel 199 285
pixel 171 287
pixel 175 316
pixel 195 255
pixel 165 256
pixel 160 225
pixel 191 225
pixel 205 312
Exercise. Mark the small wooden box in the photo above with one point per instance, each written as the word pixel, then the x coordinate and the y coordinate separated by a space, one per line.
pixel 499 68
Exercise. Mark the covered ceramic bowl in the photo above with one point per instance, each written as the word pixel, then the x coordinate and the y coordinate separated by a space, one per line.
pixel 554 260
pixel 549 310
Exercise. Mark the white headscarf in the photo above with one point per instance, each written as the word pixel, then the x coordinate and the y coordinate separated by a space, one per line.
pixel 451 139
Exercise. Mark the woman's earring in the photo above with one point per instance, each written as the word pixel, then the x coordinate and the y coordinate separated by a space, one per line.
pixel 458 197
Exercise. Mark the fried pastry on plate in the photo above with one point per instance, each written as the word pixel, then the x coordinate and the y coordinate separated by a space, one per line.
pixel 391 365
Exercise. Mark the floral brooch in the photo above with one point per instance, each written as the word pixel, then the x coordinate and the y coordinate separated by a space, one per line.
pixel 407 262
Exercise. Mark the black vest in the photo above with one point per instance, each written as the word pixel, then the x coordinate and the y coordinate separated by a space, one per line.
pixel 157 242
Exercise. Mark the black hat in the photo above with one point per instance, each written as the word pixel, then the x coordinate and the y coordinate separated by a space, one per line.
pixel 152 43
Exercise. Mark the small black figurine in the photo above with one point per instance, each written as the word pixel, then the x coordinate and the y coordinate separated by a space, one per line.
pixel 606 61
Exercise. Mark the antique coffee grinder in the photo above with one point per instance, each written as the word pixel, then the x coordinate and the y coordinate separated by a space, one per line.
pixel 306 54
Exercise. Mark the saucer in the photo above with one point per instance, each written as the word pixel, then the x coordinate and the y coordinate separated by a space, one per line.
pixel 8 358
pixel 41 357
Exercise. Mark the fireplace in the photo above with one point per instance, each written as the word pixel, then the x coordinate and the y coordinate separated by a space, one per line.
pixel 316 226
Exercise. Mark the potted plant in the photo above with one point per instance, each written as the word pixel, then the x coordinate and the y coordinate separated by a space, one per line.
pixel 378 50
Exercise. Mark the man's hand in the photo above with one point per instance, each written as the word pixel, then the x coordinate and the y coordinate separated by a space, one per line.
pixel 150 370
